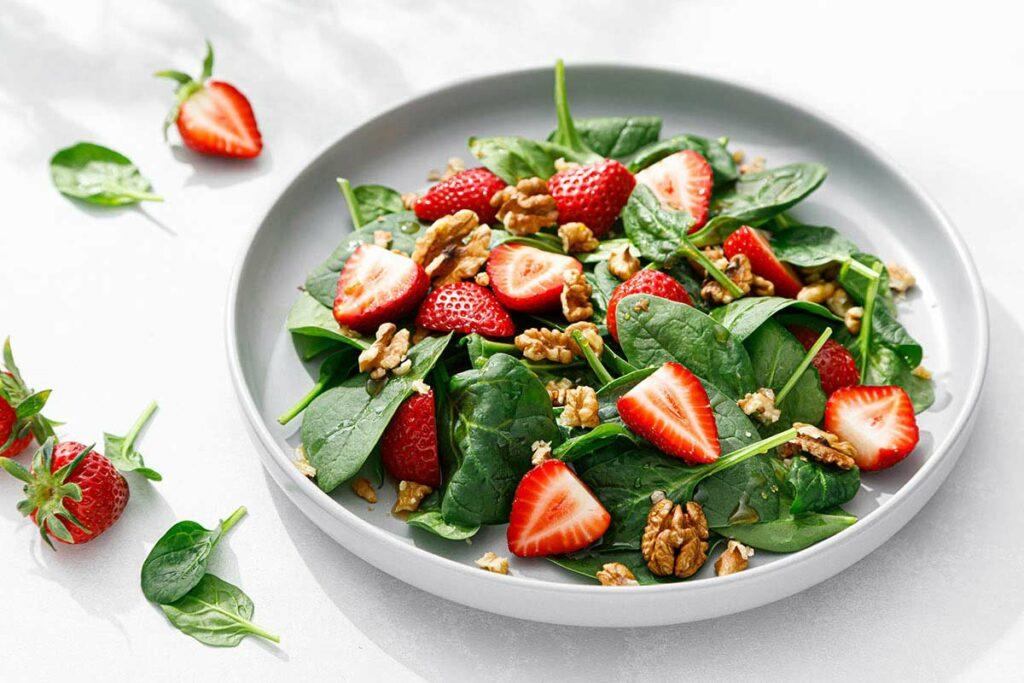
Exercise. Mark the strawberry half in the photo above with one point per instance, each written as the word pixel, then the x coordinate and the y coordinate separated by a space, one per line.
pixel 528 279
pixel 213 117
pixel 834 362
pixel 408 448
pixel 553 512
pixel 593 194
pixel 378 286
pixel 465 307
pixel 681 181
pixel 763 260
pixel 646 281
pixel 671 410
pixel 878 421
pixel 470 189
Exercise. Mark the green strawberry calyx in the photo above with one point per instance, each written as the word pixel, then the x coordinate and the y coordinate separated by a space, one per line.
pixel 187 86
pixel 26 403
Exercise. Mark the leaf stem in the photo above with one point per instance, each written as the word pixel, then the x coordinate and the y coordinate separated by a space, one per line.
pixel 350 199
pixel 592 360
pixel 232 520
pixel 687 249
pixel 808 357
pixel 257 631
pixel 859 268
pixel 133 433
pixel 864 338
pixel 303 402
pixel 739 455
pixel 141 196
pixel 567 133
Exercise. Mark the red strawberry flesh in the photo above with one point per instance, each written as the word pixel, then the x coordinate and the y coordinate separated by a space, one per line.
pixel 681 182
pixel 465 307
pixel 834 362
pixel 593 194
pixel 878 421
pixel 528 279
pixel 378 286
pixel 408 448
pixel 763 261
pixel 471 189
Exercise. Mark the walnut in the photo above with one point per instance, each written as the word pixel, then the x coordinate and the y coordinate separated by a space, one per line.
pixel 387 352
pixel 557 390
pixel 716 255
pixel 922 372
pixel 562 165
pixel 410 495
pixel 482 279
pixel 302 464
pixel 818 293
pixel 577 237
pixel 455 165
pixel 493 563
pixel 382 238
pixel 622 264
pixel 525 208
pixel 409 200
pixel 739 271
pixel 616 574
pixel 675 539
pixel 839 302
pixel 541 452
pixel 556 346
pixel 420 387
pixel 755 166
pixel 642 305
pixel 821 445
pixel 453 248
pixel 576 296
pixel 362 487
pixel 590 335
pixel 761 406
pixel 900 279
pixel 852 319
pixel 818 274
pixel 738 155
pixel 733 559
pixel 580 408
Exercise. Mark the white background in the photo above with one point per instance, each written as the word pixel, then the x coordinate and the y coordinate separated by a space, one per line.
pixel 114 308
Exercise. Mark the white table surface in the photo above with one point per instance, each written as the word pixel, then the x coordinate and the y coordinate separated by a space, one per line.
pixel 114 308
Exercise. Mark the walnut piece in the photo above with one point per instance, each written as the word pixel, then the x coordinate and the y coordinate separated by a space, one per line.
pixel 756 165
pixel 302 464
pixel 761 406
pixel 419 335
pixel 813 275
pixel 839 302
pixel 733 559
pixel 852 319
pixel 409 200
pixel 675 539
pixel 622 264
pixel 557 346
pixel 739 271
pixel 590 335
pixel 738 155
pixel 541 452
pixel 526 207
pixel 922 372
pixel 420 387
pixel 616 574
pixel 576 238
pixel 362 487
pixel 562 165
pixel 453 248
pixel 410 495
pixel 580 408
pixel 817 293
pixel 900 279
pixel 820 445
pixel 558 389
pixel 576 296
pixel 387 352
pixel 455 165
pixel 482 279
pixel 493 563
pixel 382 238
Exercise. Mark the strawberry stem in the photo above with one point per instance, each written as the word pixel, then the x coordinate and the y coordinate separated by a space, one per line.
pixel 798 373
pixel 353 203
pixel 593 361
pixel 864 338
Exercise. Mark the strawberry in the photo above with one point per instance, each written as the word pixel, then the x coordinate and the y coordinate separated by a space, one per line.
pixel 470 189
pixel 646 281
pixel 553 512
pixel 20 406
pixel 681 181
pixel 465 307
pixel 377 286
pixel 763 261
pixel 72 493
pixel 528 279
pixel 213 117
pixel 878 421
pixel 593 194
pixel 671 410
pixel 834 362
pixel 409 445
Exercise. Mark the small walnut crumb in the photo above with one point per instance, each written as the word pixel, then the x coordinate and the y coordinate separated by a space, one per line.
pixel 755 166
pixel 493 563
pixel 455 165
pixel 735 558
pixel 453 248
pixel 576 238
pixel 409 200
pixel 590 335
pixel 622 264
pixel 410 495
pixel 922 372
pixel 563 165
pixel 616 574
pixel 839 302
pixel 576 296
pixel 349 332
pixel 761 405
pixel 900 279
pixel 525 208
pixel 557 390
pixel 387 352
pixel 419 335
pixel 642 305
pixel 539 344
pixel 740 272
pixel 362 487
pixel 821 445
pixel 580 408
pixel 541 452
pixel 482 279
pixel 852 319
pixel 675 539
pixel 818 293
pixel 382 238
pixel 657 496
pixel 818 274
pixel 302 464
pixel 737 156
pixel 420 387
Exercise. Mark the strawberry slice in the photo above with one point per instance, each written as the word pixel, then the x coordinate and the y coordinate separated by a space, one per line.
pixel 593 194
pixel 376 286
pixel 646 281
pixel 834 362
pixel 671 410
pixel 553 512
pixel 408 447
pixel 763 260
pixel 528 279
pixel 470 189
pixel 878 421
pixel 681 181
pixel 465 307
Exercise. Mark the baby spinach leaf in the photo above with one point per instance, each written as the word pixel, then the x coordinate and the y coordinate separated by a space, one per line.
pixel 376 201
pixel 743 494
pixel 756 197
pixel 656 232
pixel 310 318
pixel 99 175
pixel 120 450
pixel 809 246
pixel 604 250
pixel 816 487
pixel 339 364
pixel 790 533
pixel 856 284
pixel 715 231
pixel 541 240
pixel 215 613
pixel 179 559
pixel 886 366
pixel 341 427
pixel 775 355
pixel 722 165
pixel 743 316
pixel 617 137
pixel 592 439
pixel 566 133
pixel 515 158
pixel 309 348
pixel 434 522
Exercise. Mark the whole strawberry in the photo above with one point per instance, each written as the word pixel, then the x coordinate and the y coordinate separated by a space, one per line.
pixel 408 447
pixel 593 194
pixel 20 406
pixel 470 189
pixel 465 307
pixel 72 493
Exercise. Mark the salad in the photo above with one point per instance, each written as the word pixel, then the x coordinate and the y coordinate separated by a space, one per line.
pixel 625 346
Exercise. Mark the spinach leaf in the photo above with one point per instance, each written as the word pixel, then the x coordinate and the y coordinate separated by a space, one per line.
pixel 590 440
pixel 310 318
pixel 744 494
pixel 179 559
pixel 99 175
pixel 541 240
pixel 617 137
pixel 816 487
pixel 341 427
pixel 810 246
pixel 603 284
pixel 756 197
pixel 496 412
pixel 856 285
pixel 566 133
pixel 722 165
pixel 215 613
pixel 120 450
pixel 604 250
pixel 656 232
pixel 715 231
pixel 514 158
pixel 309 348
pixel 743 316
pixel 775 355
pixel 886 366
pixel 429 518
pixel 376 201
pixel 339 364
pixel 790 533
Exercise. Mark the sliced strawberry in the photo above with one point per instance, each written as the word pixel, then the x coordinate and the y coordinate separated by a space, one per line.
pixel 681 181
pixel 377 286
pixel 470 189
pixel 553 512
pixel 763 261
pixel 671 410
pixel 408 448
pixel 878 421
pixel 465 307
pixel 528 279
pixel 834 362
pixel 593 195
pixel 646 281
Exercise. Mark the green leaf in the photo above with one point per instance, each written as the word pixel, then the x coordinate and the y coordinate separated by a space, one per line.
pixel 775 355
pixel 592 439
pixel 310 318
pixel 541 240
pixel 377 200
pixel 757 197
pixel 617 137
pixel 120 450
pixel 566 134
pixel 722 165
pixel 335 367
pixel 215 613
pixel 429 518
pixel 513 159
pixel 32 405
pixel 811 246
pixel 743 494
pixel 817 487
pixel 207 63
pixel 744 316
pixel 790 533
pixel 885 366
pixel 99 175
pixel 656 232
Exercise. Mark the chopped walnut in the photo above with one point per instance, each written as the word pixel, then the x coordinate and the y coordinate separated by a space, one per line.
pixel 818 274
pixel 739 271
pixel 642 305
pixel 738 155
pixel 590 335
pixel 557 346
pixel 761 406
pixel 657 496
pixel 493 563
pixel 557 390
pixel 675 539
pixel 622 264
pixel 382 238
pixel 735 558
pixel 482 279
pixel 839 302
pixel 576 296
pixel 525 208
pixel 852 319
pixel 362 487
pixel 453 248
pixel 410 495
pixel 562 165
pixel 580 408
pixel 541 451
pixel 922 372
pixel 420 387
pixel 756 165
pixel 409 200
pixel 576 238
pixel 302 464
pixel 821 445
pixel 616 574
pixel 818 293
pixel 900 279
pixel 455 165
pixel 387 352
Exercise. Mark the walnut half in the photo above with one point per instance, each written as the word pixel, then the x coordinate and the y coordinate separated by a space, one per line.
pixel 822 446
pixel 576 296
pixel 410 495
pixel 616 574
pixel 453 248
pixel 580 408
pixel 557 346
pixel 527 207
pixel 740 272
pixel 675 539
pixel 735 558
pixel 387 352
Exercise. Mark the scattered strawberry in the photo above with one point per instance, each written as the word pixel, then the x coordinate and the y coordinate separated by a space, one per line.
pixel 213 117
pixel 878 421
pixel 593 194
pixel 465 307
pixel 377 286
pixel 763 261
pixel 409 445
pixel 72 493
pixel 671 410
pixel 470 189
pixel 834 362
pixel 681 181
pixel 646 281
pixel 528 279
pixel 553 512
pixel 20 406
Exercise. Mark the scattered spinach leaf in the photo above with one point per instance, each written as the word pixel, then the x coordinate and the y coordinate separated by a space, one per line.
pixel 590 440
pixel 816 487
pixel 120 450
pixel 99 175
pixel 215 613
pixel 756 197
pixel 376 201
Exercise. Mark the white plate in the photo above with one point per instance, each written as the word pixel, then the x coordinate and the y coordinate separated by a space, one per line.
pixel 865 197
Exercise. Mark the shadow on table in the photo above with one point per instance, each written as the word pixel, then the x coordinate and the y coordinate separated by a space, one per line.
pixel 217 172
